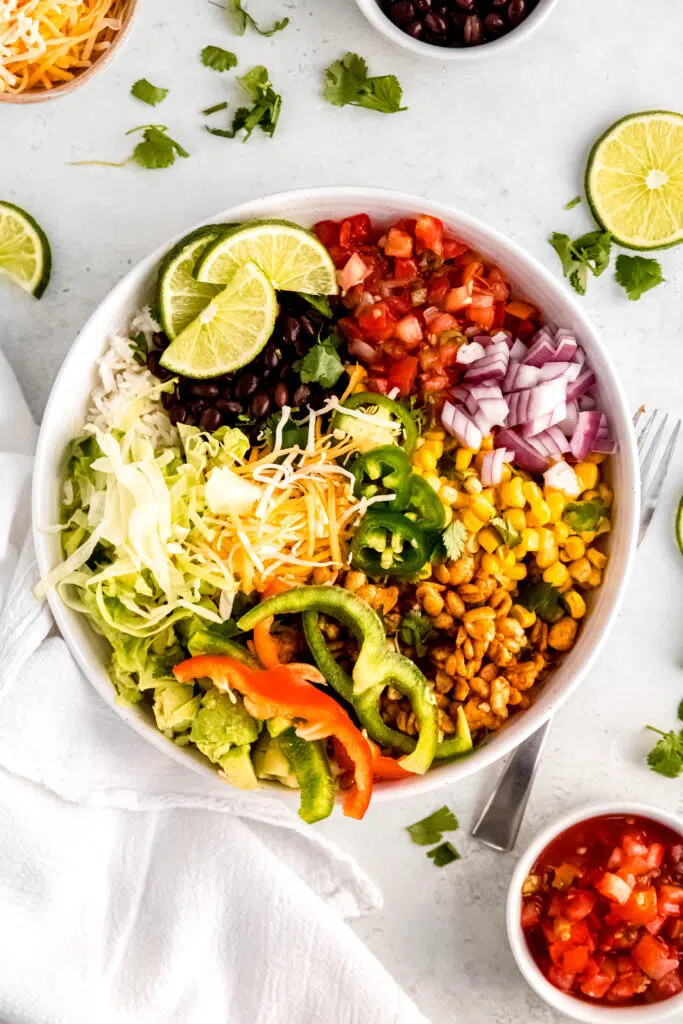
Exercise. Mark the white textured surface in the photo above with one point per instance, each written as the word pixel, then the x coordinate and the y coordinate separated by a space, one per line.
pixel 506 141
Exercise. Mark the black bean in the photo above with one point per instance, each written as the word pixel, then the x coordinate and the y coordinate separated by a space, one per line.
pixel 423 5
pixel 281 394
pixel 465 5
pixel 205 390
pixel 473 30
pixel 246 385
pixel 210 420
pixel 516 12
pixel 415 29
pixel 153 362
pixel 260 404
pixel 436 24
pixel 292 329
pixel 301 395
pixel 198 407
pixel 494 24
pixel 177 413
pixel 160 341
pixel 402 12
pixel 271 356
pixel 307 326
pixel 230 406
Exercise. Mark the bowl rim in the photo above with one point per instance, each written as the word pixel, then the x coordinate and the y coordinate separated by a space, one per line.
pixel 379 20
pixel 588 1013
pixel 144 270
pixel 41 95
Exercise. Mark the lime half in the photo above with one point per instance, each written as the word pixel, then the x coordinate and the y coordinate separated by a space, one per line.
pixel 634 180
pixel 180 297
pixel 293 258
pixel 230 331
pixel 24 250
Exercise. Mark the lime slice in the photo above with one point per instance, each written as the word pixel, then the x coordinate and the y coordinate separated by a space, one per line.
pixel 230 331
pixel 293 258
pixel 24 250
pixel 634 180
pixel 180 297
pixel 679 525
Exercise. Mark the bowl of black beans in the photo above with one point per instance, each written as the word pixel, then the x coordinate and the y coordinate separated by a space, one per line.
pixel 456 29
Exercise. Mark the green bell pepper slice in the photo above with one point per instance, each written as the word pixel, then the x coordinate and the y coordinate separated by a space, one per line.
pixel 377 665
pixel 424 505
pixel 311 767
pixel 398 411
pixel 389 544
pixel 384 470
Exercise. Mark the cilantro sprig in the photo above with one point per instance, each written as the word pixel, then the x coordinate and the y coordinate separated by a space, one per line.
pixel 666 757
pixel 588 252
pixel 218 59
pixel 444 854
pixel 264 112
pixel 321 364
pixel 347 82
pixel 146 92
pixel 544 599
pixel 454 539
pixel 507 533
pixel 638 275
pixel 239 18
pixel 156 150
pixel 415 630
pixel 430 829
pixel 584 516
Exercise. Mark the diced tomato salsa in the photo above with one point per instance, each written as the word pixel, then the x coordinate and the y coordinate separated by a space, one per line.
pixel 602 911
pixel 413 294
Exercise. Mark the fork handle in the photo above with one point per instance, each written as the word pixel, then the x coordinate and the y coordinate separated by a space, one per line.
pixel 501 819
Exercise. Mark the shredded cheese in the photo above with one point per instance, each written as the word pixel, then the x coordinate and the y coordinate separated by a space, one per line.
pixel 44 43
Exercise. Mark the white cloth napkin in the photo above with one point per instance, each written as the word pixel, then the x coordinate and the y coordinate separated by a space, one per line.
pixel 176 915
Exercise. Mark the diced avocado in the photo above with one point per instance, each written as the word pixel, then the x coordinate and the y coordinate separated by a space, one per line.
pixel 462 729
pixel 368 435
pixel 239 771
pixel 276 726
pixel 270 763
pixel 222 723
pixel 175 708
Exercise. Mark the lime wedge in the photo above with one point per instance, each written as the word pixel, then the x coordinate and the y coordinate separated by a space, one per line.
pixel 679 525
pixel 180 297
pixel 293 258
pixel 230 331
pixel 634 180
pixel 24 249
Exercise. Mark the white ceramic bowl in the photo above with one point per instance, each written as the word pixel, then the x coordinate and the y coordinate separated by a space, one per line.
pixel 562 1001
pixel 376 16
pixel 67 405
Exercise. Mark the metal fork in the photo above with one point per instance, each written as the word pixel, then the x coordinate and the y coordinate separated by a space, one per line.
pixel 500 821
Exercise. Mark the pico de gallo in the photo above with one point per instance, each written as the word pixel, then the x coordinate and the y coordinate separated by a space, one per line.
pixel 602 911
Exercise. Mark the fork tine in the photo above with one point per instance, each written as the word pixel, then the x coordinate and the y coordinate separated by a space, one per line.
pixel 653 492
pixel 647 427
pixel 648 457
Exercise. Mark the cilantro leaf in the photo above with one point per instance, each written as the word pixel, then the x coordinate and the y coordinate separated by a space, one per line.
pixel 263 114
pixel 680 712
pixel 148 93
pixel 216 107
pixel 572 203
pixel 443 855
pixel 239 19
pixel 321 365
pixel 321 303
pixel 454 539
pixel 429 830
pixel 507 534
pixel 292 433
pixel 157 149
pixel 637 275
pixel 217 59
pixel 583 516
pixel 588 252
pixel 414 631
pixel 542 598
pixel 139 346
pixel 666 757
pixel 347 82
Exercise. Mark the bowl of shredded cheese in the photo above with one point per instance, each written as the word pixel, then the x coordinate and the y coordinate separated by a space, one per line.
pixel 50 47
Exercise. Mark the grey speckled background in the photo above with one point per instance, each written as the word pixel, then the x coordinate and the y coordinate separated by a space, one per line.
pixel 505 140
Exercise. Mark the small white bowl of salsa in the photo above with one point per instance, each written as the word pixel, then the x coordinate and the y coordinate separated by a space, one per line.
pixel 595 914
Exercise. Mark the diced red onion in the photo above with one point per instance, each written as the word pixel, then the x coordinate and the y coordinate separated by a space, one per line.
pixel 482 339
pixel 479 391
pixel 460 393
pixel 501 337
pixel 354 271
pixel 585 434
pixel 587 402
pixel 470 332
pixel 557 435
pixel 541 423
pixel 495 410
pixel 540 353
pixel 431 313
pixel 605 446
pixel 526 377
pixel 561 477
pixel 524 455
pixel 565 345
pixel 568 424
pixel 457 422
pixel 362 350
pixel 492 467
pixel 510 376
pixel 579 356
pixel 470 352
pixel 580 386
pixel 546 333
pixel 489 372
pixel 518 351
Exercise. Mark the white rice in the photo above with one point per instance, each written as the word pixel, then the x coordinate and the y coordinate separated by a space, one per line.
pixel 126 393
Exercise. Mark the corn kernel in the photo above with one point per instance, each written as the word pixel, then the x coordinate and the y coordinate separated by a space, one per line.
pixel 555 501
pixel 506 558
pixel 530 539
pixel 506 474
pixel 575 548
pixel 523 616
pixel 606 494
pixel 482 508
pixel 487 443
pixel 517 571
pixel 592 495
pixel 597 558
pixel 462 501
pixel 490 564
pixel 561 531
pixel 557 574
pixel 471 522
pixel 587 536
pixel 417 470
pixel 489 493
pixel 512 493
pixel 433 481
pixel 463 457
pixel 435 434
pixel 508 584
pixel 580 570
pixel 515 519
pixel 472 485
pixel 575 603
pixel 540 513
pixel 596 457
pixel 587 474
pixel 489 539
pixel 532 492
pixel 473 545
pixel 448 512
pixel 595 578
pixel 547 549
pixel 427 459
pixel 448 494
